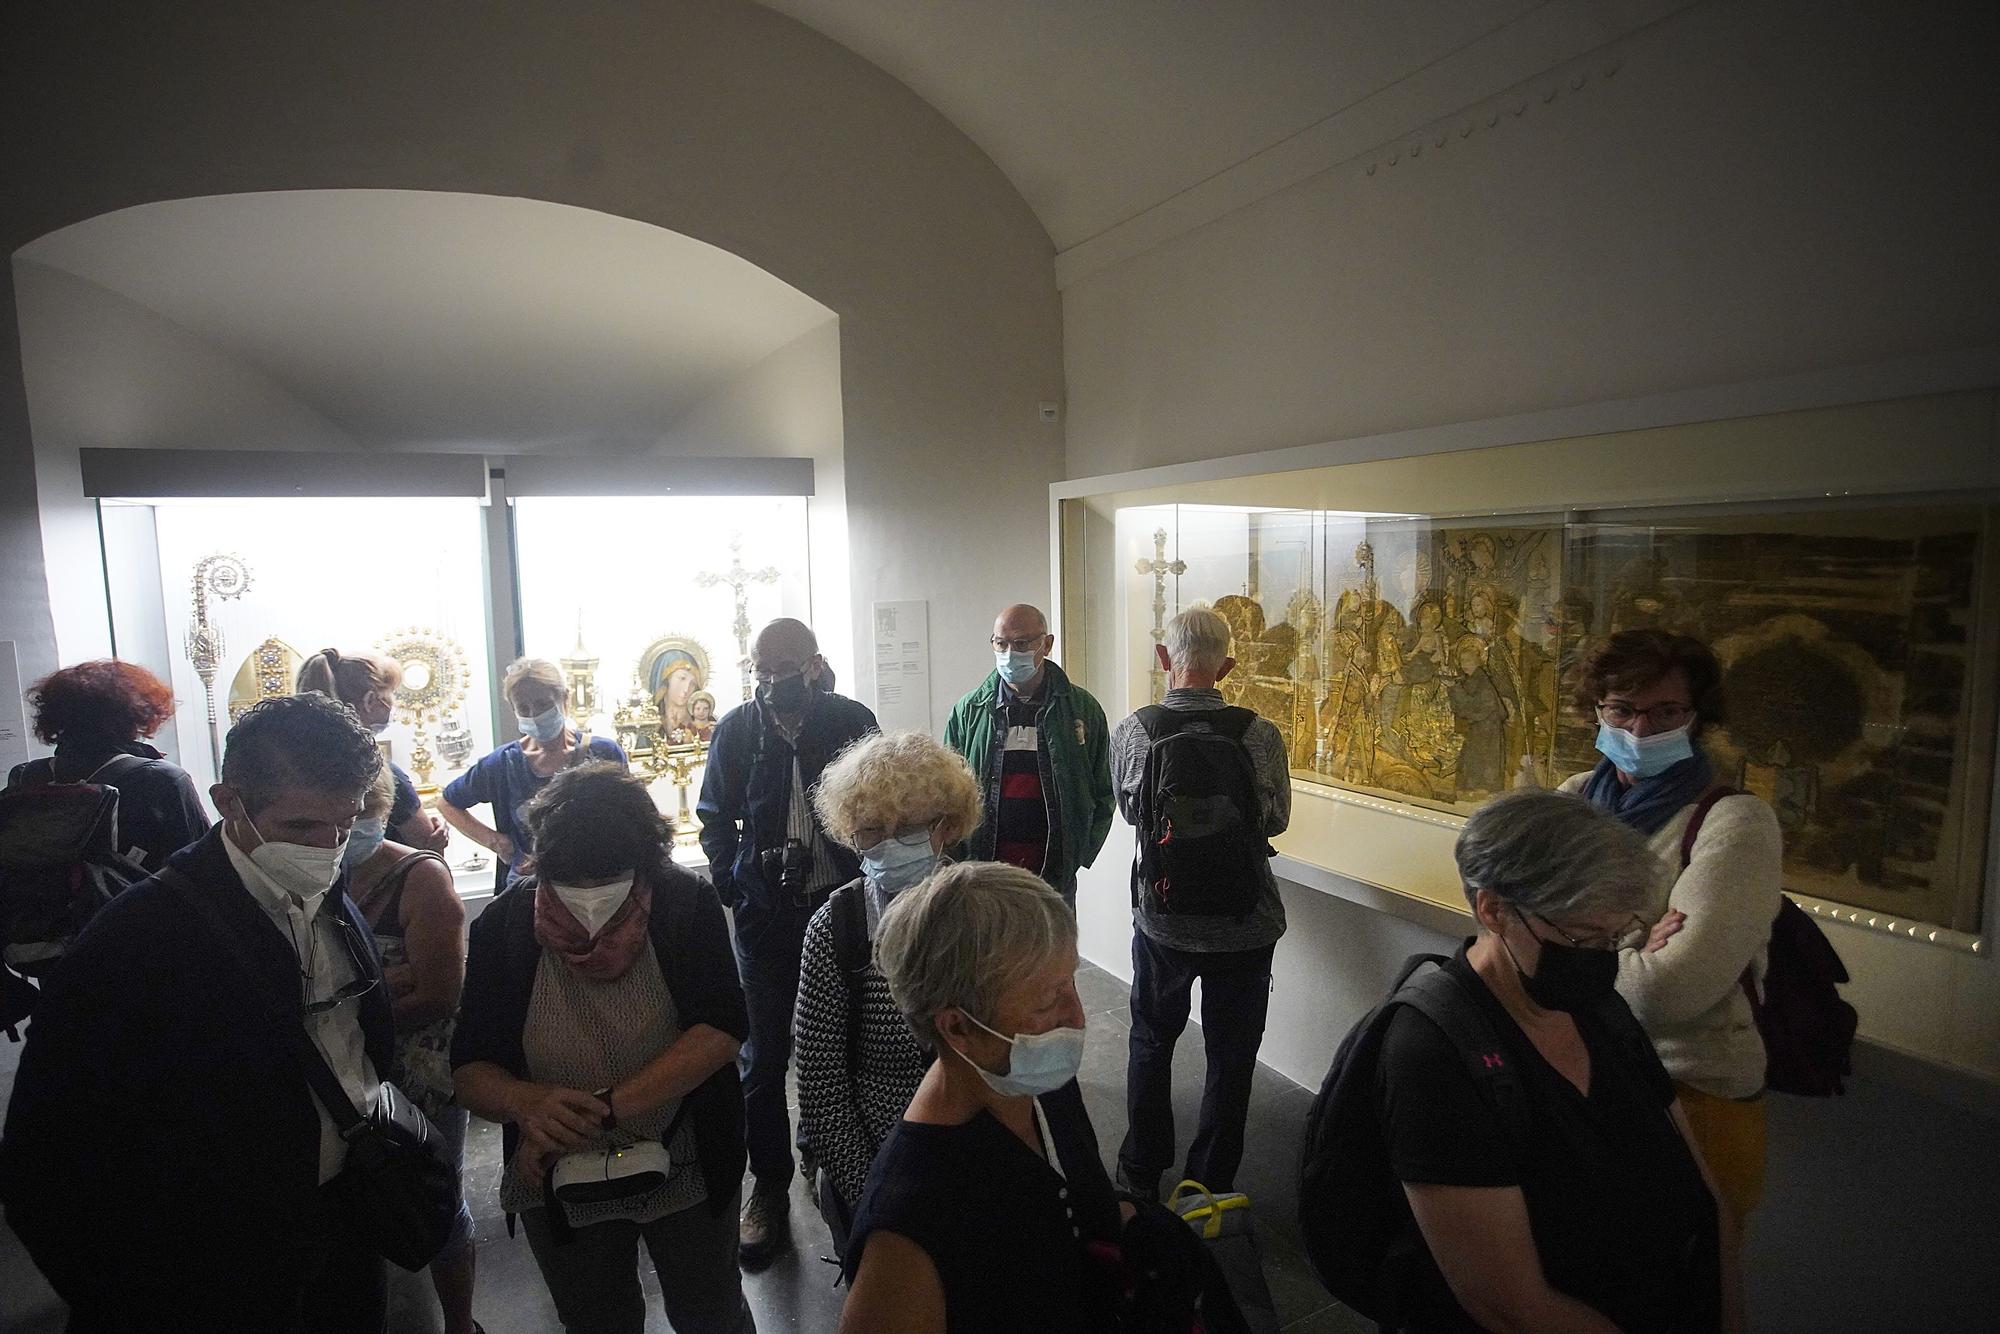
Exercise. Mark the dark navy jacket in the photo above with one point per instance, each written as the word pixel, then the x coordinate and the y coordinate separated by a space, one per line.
pixel 746 790
pixel 161 1153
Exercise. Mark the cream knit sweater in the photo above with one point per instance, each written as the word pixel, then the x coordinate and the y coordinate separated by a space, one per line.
pixel 1687 994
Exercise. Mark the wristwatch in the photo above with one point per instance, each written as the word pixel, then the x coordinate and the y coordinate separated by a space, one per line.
pixel 603 1095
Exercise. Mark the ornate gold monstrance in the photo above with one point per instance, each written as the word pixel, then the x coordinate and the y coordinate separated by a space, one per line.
pixel 433 685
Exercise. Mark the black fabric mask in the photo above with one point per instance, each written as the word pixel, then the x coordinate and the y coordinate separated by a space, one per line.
pixel 788 695
pixel 1569 977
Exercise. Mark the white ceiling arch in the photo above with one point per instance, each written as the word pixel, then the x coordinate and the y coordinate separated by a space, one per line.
pixel 1099 110
pixel 447 320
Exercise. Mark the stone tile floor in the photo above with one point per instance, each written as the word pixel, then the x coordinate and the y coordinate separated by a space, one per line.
pixel 797 1292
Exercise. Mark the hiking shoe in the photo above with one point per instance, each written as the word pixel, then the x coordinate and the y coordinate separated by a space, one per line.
pixel 766 1227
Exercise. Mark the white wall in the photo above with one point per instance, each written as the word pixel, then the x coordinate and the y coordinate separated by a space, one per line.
pixel 104 372
pixel 788 406
pixel 720 120
pixel 1763 187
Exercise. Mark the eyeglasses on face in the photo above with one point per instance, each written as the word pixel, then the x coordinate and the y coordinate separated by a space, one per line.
pixel 1666 717
pixel 867 836
pixel 1023 644
pixel 1631 937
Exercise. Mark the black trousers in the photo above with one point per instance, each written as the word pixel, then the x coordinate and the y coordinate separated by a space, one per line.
pixel 342 1288
pixel 1235 997
pixel 768 944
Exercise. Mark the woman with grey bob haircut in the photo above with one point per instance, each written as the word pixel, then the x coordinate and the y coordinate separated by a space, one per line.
pixel 1543 854
pixel 984 1198
pixel 1584 1207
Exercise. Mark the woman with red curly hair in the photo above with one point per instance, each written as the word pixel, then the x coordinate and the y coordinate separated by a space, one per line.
pixel 97 716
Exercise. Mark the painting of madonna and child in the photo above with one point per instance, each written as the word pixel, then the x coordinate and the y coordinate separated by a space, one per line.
pixel 1430 662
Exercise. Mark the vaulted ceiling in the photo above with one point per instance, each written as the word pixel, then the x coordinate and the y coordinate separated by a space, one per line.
pixel 1098 110
pixel 423 317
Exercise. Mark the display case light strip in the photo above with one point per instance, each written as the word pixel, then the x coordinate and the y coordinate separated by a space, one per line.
pixel 1889 925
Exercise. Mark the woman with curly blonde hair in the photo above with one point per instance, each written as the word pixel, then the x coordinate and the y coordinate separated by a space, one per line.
pixel 898 799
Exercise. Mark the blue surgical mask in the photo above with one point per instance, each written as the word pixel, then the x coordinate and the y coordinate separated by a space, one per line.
pixel 545 726
pixel 1015 667
pixel 1041 1062
pixel 898 862
pixel 1645 756
pixel 363 840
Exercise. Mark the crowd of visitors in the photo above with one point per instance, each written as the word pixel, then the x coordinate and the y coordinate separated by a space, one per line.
pixel 248 1075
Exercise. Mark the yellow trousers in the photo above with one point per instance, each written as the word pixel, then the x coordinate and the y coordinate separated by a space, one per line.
pixel 1730 1136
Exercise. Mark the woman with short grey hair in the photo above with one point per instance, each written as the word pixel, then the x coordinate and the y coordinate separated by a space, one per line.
pixel 986 1197
pixel 1573 1200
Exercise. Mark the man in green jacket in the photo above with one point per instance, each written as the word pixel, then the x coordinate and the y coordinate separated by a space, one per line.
pixel 1041 749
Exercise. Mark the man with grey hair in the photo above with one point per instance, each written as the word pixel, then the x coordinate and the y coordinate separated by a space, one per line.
pixel 167 1161
pixel 1039 745
pixel 1205 786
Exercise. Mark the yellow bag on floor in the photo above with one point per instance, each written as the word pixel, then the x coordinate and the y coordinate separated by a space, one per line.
pixel 1210 1215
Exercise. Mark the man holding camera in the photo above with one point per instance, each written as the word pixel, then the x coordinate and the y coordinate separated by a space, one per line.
pixel 773 867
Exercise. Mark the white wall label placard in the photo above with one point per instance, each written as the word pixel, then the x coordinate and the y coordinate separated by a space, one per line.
pixel 13 717
pixel 903 665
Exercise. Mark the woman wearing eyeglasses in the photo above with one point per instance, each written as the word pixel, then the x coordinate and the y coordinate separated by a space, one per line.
pixel 898 799
pixel 407 898
pixel 1551 1184
pixel 1652 692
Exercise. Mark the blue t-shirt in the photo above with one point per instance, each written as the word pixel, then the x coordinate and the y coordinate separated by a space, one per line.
pixel 503 780
pixel 407 802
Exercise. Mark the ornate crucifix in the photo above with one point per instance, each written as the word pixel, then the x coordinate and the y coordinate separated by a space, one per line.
pixel 739 579
pixel 1160 567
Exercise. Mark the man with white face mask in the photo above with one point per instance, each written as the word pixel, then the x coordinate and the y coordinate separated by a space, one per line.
pixel 163 1151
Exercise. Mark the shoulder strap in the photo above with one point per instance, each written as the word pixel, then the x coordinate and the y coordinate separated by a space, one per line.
pixel 34 773
pixel 312 1061
pixel 395 878
pixel 121 763
pixel 1701 810
pixel 1151 717
pixel 1443 1000
pixel 850 932
pixel 1234 721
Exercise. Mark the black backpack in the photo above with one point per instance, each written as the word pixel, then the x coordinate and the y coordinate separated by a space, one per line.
pixel 1351 1207
pixel 1808 1030
pixel 61 860
pixel 1201 847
